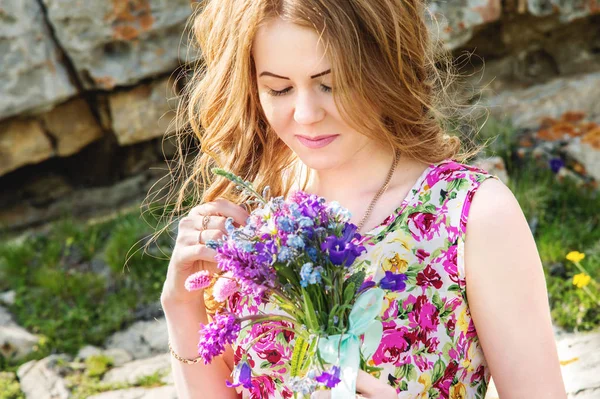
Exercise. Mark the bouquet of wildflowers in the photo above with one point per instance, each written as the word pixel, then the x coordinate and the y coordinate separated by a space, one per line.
pixel 298 255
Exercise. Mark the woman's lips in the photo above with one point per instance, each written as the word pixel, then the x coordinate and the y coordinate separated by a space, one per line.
pixel 319 143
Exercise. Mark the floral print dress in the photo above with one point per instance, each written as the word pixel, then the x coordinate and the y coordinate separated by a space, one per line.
pixel 429 347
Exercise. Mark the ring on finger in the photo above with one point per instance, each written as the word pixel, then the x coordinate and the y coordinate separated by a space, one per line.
pixel 205 221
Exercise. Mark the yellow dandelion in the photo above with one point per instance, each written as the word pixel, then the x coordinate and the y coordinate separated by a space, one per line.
pixel 581 280
pixel 575 256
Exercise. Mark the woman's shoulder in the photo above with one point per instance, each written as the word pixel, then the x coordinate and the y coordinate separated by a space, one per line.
pixel 456 174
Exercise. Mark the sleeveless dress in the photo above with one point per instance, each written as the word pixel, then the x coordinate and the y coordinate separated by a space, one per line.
pixel 429 347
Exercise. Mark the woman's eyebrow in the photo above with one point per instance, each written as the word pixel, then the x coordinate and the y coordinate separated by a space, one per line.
pixel 266 73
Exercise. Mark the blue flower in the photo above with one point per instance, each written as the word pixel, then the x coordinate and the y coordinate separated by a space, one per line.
pixel 341 250
pixel 285 254
pixel 331 378
pixel 392 281
pixel 556 164
pixel 229 225
pixel 295 241
pixel 310 274
pixel 312 253
pixel 305 222
pixel 315 276
pixel 305 273
pixel 286 224
pixel 242 375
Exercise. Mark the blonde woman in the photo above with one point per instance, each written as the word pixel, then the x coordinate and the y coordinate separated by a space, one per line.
pixel 342 98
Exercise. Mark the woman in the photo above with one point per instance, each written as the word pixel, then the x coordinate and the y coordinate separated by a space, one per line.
pixel 341 98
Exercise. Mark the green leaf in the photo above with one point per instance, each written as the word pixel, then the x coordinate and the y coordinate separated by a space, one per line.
pixel 454 287
pixel 437 301
pixel 357 278
pixel 309 311
pixel 349 293
pixel 287 273
pixel 438 370
pixel 300 349
pixel 412 373
pixel 265 365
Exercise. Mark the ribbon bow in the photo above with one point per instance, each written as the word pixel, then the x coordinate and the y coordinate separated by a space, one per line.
pixel 346 347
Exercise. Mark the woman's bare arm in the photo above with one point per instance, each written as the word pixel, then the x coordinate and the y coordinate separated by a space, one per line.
pixel 195 381
pixel 508 298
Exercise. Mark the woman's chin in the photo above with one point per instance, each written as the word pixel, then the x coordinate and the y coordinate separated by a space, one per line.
pixel 322 161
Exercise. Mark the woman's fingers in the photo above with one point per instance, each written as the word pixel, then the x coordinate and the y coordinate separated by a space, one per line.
pixel 192 253
pixel 371 387
pixel 222 207
pixel 321 395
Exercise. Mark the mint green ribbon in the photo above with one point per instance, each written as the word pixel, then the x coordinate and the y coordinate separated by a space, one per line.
pixel 346 347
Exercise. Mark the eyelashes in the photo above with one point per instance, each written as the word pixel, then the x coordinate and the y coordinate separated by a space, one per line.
pixel 275 93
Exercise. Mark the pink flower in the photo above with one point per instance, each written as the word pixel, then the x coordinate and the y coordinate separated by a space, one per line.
pixel 224 288
pixel 198 281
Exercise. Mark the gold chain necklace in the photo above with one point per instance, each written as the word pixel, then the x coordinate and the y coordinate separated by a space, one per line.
pixel 379 193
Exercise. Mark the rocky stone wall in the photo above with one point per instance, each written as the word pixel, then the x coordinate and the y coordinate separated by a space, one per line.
pixel 87 89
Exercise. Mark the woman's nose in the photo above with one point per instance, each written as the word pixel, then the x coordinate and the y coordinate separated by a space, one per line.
pixel 308 109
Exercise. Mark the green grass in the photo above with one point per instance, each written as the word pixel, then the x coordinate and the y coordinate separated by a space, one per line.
pixel 9 386
pixel 62 296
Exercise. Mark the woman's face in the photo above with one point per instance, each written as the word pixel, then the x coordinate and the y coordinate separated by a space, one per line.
pixel 294 85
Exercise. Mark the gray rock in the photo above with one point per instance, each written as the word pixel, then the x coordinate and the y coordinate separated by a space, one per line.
pixel 526 107
pixel 31 74
pixel 493 165
pixel 119 356
pixel 115 43
pixel 133 371
pixel 142 339
pixel 73 126
pixel 567 10
pixel 22 142
pixel 587 154
pixel 8 297
pixel 15 341
pixel 41 379
pixel 88 351
pixel 142 113
pixel 580 359
pixel 165 392
pixel 454 22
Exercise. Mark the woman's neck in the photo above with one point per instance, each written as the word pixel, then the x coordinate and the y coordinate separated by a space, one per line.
pixel 362 175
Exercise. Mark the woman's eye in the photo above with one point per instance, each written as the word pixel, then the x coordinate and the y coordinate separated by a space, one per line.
pixel 279 93
pixel 325 89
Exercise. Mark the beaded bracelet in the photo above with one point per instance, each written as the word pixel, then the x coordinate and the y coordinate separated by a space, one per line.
pixel 186 361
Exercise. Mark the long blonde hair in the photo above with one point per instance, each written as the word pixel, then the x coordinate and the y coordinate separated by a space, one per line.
pixel 387 85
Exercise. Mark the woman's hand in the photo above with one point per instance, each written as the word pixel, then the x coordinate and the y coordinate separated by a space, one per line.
pixel 190 255
pixel 367 386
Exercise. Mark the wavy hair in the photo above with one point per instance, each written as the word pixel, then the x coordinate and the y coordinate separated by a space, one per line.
pixel 391 80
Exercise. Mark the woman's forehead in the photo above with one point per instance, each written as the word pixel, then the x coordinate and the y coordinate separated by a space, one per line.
pixel 280 46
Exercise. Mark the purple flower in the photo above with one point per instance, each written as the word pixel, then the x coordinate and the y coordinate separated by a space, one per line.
pixel 242 375
pixel 393 281
pixel 341 250
pixel 556 164
pixel 253 270
pixel 223 330
pixel 224 287
pixel 198 281
pixel 366 285
pixel 331 378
